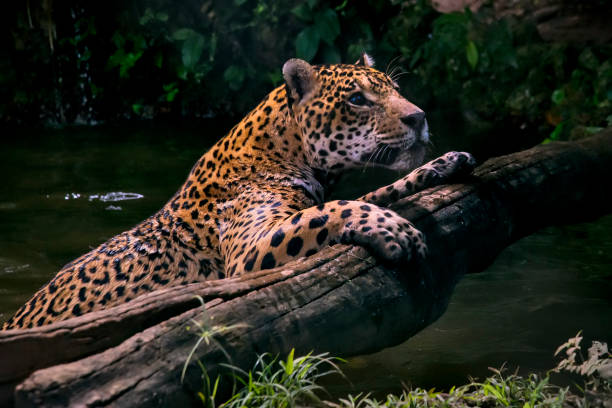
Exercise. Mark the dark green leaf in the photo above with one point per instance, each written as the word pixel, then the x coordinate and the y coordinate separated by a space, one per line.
pixel 327 24
pixel 183 33
pixel 148 16
pixel 169 87
pixel 170 95
pixel 303 12
pixel 137 108
pixel 161 16
pixel 342 5
pixel 192 51
pixel 181 72
pixel 558 96
pixel 307 43
pixel 234 76
pixel 556 133
pixel 471 52
pixel 159 59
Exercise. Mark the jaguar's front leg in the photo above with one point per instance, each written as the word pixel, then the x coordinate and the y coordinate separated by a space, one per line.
pixel 266 245
pixel 433 173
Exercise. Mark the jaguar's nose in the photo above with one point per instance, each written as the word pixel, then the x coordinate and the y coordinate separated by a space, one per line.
pixel 415 121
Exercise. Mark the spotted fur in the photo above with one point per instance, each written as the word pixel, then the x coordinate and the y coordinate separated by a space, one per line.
pixel 256 199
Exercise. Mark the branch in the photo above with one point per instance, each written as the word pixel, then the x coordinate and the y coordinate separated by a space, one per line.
pixel 339 300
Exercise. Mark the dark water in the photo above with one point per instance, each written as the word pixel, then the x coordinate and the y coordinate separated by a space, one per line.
pixel 59 197
pixel 539 292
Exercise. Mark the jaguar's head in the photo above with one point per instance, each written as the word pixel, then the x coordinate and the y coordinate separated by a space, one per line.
pixel 354 116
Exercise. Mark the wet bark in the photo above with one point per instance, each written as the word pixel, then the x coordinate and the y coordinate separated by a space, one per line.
pixel 340 300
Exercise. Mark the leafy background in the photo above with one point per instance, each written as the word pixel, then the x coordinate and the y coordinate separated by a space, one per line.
pixel 80 62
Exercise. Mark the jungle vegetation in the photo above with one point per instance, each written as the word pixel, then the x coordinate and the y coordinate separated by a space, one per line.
pixel 82 62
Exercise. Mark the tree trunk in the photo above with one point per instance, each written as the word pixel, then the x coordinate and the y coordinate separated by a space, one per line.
pixel 339 300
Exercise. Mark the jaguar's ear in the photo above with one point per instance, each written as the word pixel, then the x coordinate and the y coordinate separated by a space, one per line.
pixel 365 60
pixel 301 80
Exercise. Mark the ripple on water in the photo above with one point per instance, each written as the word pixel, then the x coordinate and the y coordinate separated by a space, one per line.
pixel 8 266
pixel 108 197
pixel 116 196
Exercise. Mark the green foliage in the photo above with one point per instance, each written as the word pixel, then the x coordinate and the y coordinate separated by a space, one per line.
pixel 323 27
pixel 503 390
pixel 499 71
pixel 498 390
pixel 292 382
pixel 150 58
pixel 272 382
pixel 129 51
pixel 277 383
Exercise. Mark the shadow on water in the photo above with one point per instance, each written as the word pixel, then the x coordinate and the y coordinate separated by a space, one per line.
pixel 60 196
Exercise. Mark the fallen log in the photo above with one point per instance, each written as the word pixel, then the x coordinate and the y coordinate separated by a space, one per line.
pixel 340 300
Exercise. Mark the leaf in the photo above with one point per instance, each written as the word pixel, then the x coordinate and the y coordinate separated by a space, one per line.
pixel 169 87
pixel 303 12
pixel 161 16
pixel 289 366
pixel 171 95
pixel 192 50
pixel 234 76
pixel 183 33
pixel 558 96
pixel 171 91
pixel 341 6
pixel 181 72
pixel 556 133
pixel 471 52
pixel 307 43
pixel 327 24
pixel 148 16
pixel 239 2
pixel 159 60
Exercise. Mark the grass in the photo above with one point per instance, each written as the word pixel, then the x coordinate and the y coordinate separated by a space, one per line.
pixel 283 383
pixel 498 390
pixel 292 382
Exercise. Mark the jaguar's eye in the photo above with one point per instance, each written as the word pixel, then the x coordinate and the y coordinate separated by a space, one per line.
pixel 358 99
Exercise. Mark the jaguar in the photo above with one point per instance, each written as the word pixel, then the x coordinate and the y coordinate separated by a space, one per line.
pixel 256 199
